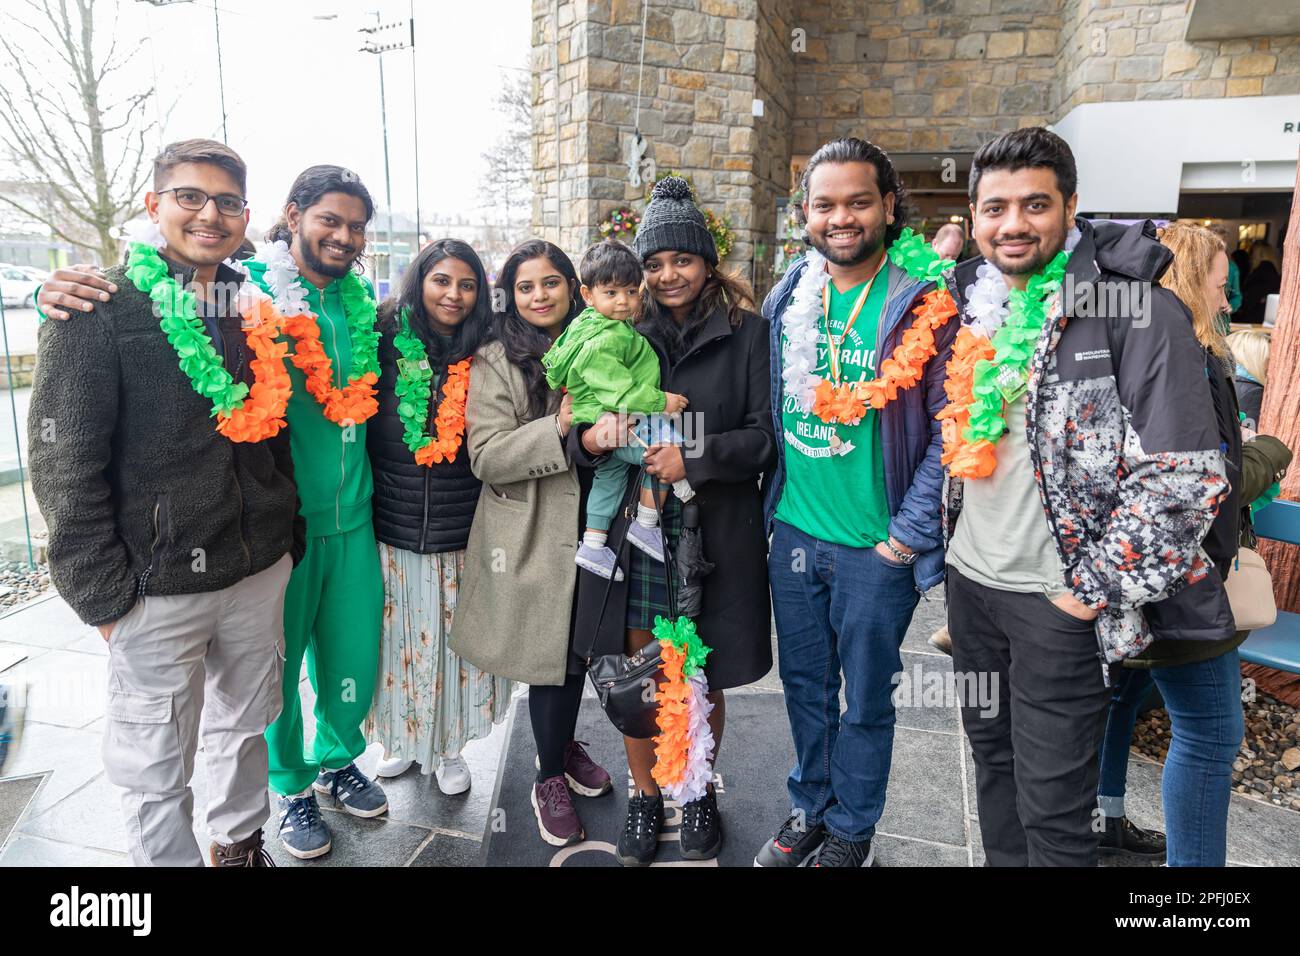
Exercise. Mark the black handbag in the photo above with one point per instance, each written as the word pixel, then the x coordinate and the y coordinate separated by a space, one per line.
pixel 628 685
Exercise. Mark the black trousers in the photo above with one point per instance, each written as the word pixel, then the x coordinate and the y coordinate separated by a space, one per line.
pixel 1036 725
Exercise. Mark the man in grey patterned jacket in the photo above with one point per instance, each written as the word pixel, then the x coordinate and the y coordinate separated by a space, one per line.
pixel 1086 533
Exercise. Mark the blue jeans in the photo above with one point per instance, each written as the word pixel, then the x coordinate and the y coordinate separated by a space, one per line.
pixel 1204 705
pixel 839 608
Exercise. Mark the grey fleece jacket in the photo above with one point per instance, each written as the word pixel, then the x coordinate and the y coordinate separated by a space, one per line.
pixel 141 495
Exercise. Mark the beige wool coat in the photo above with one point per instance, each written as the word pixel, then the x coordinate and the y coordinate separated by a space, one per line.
pixel 513 613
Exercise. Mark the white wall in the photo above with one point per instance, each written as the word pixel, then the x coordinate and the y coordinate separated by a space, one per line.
pixel 1131 155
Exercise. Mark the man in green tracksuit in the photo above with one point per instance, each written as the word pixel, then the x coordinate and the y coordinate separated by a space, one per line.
pixel 335 595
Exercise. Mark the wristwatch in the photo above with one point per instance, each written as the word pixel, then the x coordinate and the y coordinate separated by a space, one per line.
pixel 899 556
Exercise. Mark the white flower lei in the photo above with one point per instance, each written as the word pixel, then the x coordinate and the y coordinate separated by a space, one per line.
pixel 800 329
pixel 986 308
pixel 282 279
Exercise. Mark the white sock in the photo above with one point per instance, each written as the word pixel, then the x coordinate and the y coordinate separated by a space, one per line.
pixel 595 539
pixel 299 796
pixel 1112 807
pixel 646 516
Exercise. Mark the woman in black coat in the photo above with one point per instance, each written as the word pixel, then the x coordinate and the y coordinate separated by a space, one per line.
pixel 713 350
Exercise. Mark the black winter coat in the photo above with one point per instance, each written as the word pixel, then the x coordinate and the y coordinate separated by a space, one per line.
pixel 725 373
pixel 423 509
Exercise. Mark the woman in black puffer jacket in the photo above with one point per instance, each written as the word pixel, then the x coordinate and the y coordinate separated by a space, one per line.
pixel 429 703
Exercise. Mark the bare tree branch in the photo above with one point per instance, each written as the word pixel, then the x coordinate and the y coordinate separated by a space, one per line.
pixel 67 133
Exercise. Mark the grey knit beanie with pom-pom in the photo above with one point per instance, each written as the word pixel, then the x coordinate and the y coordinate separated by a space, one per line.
pixel 671 221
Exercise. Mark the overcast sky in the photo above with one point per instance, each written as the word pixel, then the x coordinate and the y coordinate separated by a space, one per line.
pixel 298 90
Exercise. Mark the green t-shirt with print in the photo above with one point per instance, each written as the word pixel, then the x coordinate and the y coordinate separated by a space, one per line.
pixel 838 494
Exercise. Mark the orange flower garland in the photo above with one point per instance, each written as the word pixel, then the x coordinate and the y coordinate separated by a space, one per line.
pixel 848 402
pixel 962 458
pixel 449 423
pixel 672 744
pixel 352 404
pixel 262 414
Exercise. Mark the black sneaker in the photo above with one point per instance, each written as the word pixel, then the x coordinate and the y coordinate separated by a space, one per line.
pixel 701 832
pixel 837 852
pixel 640 837
pixel 1124 838
pixel 793 845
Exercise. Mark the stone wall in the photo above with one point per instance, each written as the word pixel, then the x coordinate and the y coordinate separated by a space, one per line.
pixel 923 75
pixel 697 90
pixel 1129 50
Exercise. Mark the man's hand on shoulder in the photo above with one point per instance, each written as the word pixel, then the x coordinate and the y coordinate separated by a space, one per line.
pixel 75 289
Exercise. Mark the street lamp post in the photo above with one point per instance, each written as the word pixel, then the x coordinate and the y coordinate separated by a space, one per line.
pixel 221 76
pixel 382 38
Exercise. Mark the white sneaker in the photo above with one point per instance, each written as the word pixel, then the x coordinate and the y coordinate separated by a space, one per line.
pixel 453 775
pixel 392 767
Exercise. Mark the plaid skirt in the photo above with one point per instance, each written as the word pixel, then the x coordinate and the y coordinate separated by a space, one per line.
pixel 646 594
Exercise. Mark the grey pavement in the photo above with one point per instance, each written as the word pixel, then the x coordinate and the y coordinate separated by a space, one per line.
pixel 71 817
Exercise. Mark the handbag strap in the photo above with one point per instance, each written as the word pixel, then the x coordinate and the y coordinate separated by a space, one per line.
pixel 618 552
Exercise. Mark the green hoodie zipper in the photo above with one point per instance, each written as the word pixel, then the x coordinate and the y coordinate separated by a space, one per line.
pixel 333 475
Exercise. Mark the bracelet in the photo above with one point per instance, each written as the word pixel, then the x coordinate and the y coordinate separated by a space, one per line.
pixel 899 556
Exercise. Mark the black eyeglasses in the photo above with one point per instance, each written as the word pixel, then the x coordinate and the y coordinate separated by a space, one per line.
pixel 195 199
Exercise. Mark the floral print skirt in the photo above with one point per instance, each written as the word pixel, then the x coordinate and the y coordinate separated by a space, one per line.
pixel 428 701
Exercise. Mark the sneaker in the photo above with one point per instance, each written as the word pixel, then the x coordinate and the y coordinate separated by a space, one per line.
pixel 701 833
pixel 640 837
pixel 941 641
pixel 248 852
pixel 557 821
pixel 601 562
pixel 453 775
pixel 302 831
pixel 837 852
pixel 359 795
pixel 393 767
pixel 794 844
pixel 583 774
pixel 1122 837
pixel 648 540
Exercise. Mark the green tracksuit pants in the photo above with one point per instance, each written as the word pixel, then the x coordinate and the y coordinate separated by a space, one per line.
pixel 332 611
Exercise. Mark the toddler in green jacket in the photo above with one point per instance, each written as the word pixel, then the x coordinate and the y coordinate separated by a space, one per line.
pixel 607 366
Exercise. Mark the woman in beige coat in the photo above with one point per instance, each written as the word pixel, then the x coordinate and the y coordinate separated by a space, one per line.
pixel 515 613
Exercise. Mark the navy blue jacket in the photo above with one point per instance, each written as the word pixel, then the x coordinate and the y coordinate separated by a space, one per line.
pixel 910 436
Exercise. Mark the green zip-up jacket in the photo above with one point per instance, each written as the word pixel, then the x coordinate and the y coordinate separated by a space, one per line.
pixel 606 365
pixel 330 463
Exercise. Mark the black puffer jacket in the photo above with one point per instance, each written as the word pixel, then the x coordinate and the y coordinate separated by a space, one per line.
pixel 425 510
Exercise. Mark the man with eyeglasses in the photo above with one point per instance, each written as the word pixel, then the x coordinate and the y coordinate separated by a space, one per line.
pixel 334 601
pixel 172 539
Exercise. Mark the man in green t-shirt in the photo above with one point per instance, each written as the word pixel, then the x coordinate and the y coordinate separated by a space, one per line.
pixel 853 505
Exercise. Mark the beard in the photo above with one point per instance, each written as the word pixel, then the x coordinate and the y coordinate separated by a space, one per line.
pixel 1047 248
pixel 314 262
pixel 867 247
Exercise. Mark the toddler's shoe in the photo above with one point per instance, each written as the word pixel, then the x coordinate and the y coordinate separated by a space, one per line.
pixel 599 561
pixel 649 540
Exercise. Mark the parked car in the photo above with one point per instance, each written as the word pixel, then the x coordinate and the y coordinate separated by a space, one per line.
pixel 18 288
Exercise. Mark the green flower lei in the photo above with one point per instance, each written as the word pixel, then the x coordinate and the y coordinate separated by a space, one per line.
pixel 682 635
pixel 414 387
pixel 1014 345
pixel 911 253
pixel 359 309
pixel 185 331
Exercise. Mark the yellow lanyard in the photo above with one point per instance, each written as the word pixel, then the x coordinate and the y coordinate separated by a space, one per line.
pixel 853 317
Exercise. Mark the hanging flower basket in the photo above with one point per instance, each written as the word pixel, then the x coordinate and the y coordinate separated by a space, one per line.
pixel 720 229
pixel 621 224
